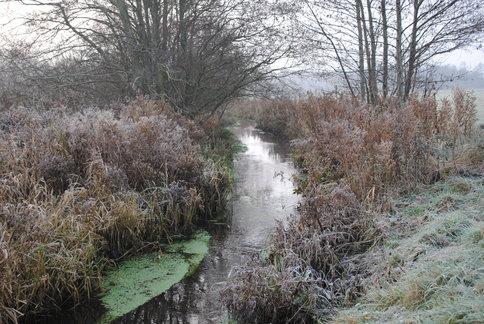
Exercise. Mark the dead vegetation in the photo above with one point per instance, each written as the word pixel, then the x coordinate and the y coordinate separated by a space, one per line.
pixel 353 157
pixel 308 265
pixel 79 190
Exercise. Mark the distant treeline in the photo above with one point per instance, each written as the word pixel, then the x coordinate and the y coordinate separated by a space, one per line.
pixel 446 76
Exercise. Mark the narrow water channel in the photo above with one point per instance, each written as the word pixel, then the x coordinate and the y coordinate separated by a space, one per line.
pixel 263 194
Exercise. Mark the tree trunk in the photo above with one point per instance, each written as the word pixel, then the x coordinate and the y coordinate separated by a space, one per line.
pixel 164 27
pixel 412 50
pixel 385 49
pixel 368 53
pixel 183 57
pixel 372 67
pixel 361 54
pixel 182 10
pixel 398 51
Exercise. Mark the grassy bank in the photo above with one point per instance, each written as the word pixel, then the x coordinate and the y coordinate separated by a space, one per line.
pixel 356 161
pixel 81 191
pixel 429 266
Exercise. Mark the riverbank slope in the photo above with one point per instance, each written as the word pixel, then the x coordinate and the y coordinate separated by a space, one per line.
pixel 357 163
pixel 428 266
pixel 82 191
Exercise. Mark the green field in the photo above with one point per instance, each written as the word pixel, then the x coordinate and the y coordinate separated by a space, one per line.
pixel 479 93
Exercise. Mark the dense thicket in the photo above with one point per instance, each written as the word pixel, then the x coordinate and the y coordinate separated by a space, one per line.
pixel 80 189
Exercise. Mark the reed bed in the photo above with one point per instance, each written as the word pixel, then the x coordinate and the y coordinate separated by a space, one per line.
pixel 82 190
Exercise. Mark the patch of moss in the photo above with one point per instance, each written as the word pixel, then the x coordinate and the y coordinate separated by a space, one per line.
pixel 461 186
pixel 140 279
pixel 415 211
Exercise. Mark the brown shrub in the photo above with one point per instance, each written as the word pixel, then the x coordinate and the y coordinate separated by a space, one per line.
pixel 277 118
pixel 267 294
pixel 79 189
pixel 371 148
pixel 464 117
pixel 309 267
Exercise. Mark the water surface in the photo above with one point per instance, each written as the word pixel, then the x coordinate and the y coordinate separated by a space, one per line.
pixel 263 194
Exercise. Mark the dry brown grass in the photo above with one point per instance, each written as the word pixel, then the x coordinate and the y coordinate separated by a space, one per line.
pixel 336 138
pixel 80 190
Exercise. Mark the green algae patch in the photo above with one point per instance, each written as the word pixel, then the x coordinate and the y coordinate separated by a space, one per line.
pixel 138 280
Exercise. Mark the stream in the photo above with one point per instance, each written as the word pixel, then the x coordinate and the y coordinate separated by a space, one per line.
pixel 263 193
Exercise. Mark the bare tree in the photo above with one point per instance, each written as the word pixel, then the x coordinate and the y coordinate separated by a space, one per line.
pixel 398 50
pixel 439 27
pixel 412 48
pixel 197 54
pixel 355 36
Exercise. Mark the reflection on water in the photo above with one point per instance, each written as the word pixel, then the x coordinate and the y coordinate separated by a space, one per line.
pixel 263 194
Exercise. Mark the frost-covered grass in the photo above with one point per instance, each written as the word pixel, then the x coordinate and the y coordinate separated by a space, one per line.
pixel 432 269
